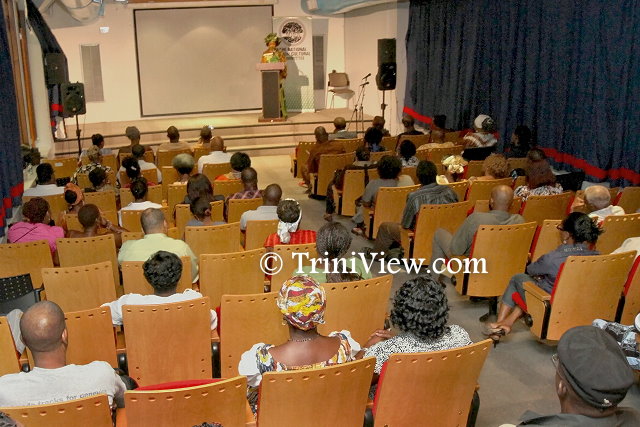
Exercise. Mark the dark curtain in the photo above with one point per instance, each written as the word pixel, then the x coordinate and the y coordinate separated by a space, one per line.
pixel 11 181
pixel 569 70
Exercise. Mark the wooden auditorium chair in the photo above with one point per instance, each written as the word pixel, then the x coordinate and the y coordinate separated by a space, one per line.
pixel 165 158
pixel 148 156
pixel 629 199
pixel 290 261
pixel 631 295
pixel 227 188
pixel 56 202
pixel 183 215
pixel 154 194
pixel 617 228
pixel 137 235
pixel 236 207
pixel 151 175
pixel 481 190
pixel 25 258
pixel 375 157
pixel 85 182
pixel 474 168
pixel 411 172
pixel 91 336
pixel 546 239
pixel 91 411
pixel 131 218
pixel 327 166
pixel 300 156
pixel 213 239
pixel 483 206
pixel 104 200
pixel 175 195
pixel 460 188
pixel 389 206
pixel 539 208
pixel 9 363
pixel 169 176
pixel 71 219
pixel 74 252
pixel 63 167
pixel 214 170
pixel 257 232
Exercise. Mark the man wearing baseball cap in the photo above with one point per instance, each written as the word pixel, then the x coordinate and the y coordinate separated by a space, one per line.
pixel 592 378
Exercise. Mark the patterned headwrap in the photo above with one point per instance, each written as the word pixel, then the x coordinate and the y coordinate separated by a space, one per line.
pixel 79 195
pixel 302 301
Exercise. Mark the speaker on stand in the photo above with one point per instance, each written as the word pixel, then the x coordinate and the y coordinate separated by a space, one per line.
pixel 387 68
pixel 73 104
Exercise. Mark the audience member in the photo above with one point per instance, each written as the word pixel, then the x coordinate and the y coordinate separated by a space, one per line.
pixel 218 154
pixel 378 123
pixel 239 162
pixel 289 216
pixel 205 138
pixel 340 131
pixel 75 200
pixel 249 178
pixel 200 208
pixel 137 152
pixel 133 134
pixel 438 130
pixel 495 166
pixel 407 154
pixel 98 141
pixel 199 185
pixel 535 155
pixel 93 153
pixel 482 142
pixel 99 182
pixel 94 224
pixel 163 271
pixel 627 337
pixel 183 164
pixel 540 181
pixel 268 211
pixel 37 225
pixel 322 146
pixel 409 126
pixel 45 182
pixel 373 139
pixel 578 233
pixel 155 239
pixel 520 144
pixel 596 202
pixel 51 380
pixel 302 302
pixel 592 378
pixel 139 192
pixel 174 143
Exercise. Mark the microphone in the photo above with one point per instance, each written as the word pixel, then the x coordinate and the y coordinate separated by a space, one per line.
pixel 367 76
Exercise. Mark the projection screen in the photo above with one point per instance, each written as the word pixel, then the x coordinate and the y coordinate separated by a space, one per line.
pixel 195 60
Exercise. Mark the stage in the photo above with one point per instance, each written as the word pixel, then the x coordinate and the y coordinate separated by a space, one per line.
pixel 241 131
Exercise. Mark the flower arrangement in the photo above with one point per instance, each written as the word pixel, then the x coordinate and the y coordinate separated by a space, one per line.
pixel 455 164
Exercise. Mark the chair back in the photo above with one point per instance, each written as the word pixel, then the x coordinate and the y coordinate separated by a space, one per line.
pixel 214 170
pixel 236 207
pixel 148 156
pixel 375 157
pixel 352 189
pixel 342 297
pixel 154 194
pixel 546 239
pixel 63 166
pixel 169 176
pixel 199 152
pixel 71 219
pixel 80 251
pixel 409 378
pixel 175 195
pixel 437 155
pixel 104 200
pixel 17 293
pixel 632 295
pixel 85 182
pixel 134 282
pixel 290 261
pixel 411 173
pixel 517 163
pixel 474 168
pixel 80 288
pixel 431 217
pixel 91 337
pixel 460 188
pixel 629 199
pixel 338 79
pixel 187 355
pixel 183 215
pixel 417 140
pixel 344 388
pixel 165 158
pixel 137 235
pixel 483 206
pixel 25 258
pixel 235 273
pixel 616 230
pixel 131 218
pixel 389 206
pixel 302 156
pixel 222 401
pixel 389 143
pixel 151 175
pixel 56 202
pixel 257 232
pixel 89 411
pixel 587 288
pixel 539 208
pixel 227 188
pixel 505 249
pixel 9 363
pixel 481 190
pixel 213 239
pixel 453 137
pixel 327 166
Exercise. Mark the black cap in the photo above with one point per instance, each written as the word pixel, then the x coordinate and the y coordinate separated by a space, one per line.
pixel 594 366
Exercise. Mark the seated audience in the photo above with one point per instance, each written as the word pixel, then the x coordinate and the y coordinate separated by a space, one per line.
pixel 155 239
pixel 592 378
pixel 100 182
pixel 35 225
pixel 373 139
pixel 269 210
pixel 378 123
pixel 98 141
pixel 438 131
pixel 45 182
pixel 289 215
pixel 323 146
pixel 139 190
pixel 199 185
pixel 218 154
pixel 162 270
pixel 302 302
pixel 51 380
pixel 200 208
pixel 446 245
pixel 482 142
pixel 94 224
pixel 95 159
pixel 137 152
pixel 627 337
pixel 540 181
pixel 520 144
pixel 596 202
pixel 409 126
pixel 133 134
pixel 407 154
pixel 131 167
pixel 495 166
pixel 183 164
pixel 249 178
pixel 578 233
pixel 205 138
pixel 75 200
pixel 430 193
pixel 332 242
pixel 239 162
pixel 340 131
pixel 420 313
pixel 630 244
pixel 174 143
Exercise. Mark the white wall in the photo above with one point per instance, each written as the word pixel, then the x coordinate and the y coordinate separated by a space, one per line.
pixel 117 51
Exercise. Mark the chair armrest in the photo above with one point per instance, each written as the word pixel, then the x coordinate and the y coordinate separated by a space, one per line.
pixel 534 290
pixel 37 293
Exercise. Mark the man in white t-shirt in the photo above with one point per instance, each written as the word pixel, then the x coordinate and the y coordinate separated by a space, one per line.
pixel 44 332
pixel 162 270
pixel 217 156
pixel 596 202
pixel 269 209
pixel 139 190
pixel 46 180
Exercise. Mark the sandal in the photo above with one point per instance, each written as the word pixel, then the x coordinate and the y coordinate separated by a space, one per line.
pixel 495 333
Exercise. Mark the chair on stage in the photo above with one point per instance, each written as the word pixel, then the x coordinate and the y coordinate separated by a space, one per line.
pixel 339 85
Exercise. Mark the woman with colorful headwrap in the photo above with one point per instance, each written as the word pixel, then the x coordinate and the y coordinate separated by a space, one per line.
pixel 302 303
pixel 273 54
pixel 75 200
pixel 289 215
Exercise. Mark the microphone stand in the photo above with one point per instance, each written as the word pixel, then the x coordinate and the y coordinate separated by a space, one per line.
pixel 358 107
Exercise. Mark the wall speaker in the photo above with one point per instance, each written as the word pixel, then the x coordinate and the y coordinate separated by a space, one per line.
pixel 72 96
pixel 386 51
pixel 387 68
pixel 55 68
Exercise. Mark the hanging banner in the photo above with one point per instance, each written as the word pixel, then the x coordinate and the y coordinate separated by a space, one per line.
pixel 296 41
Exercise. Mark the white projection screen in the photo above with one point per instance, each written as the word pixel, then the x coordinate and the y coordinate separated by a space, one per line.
pixel 196 60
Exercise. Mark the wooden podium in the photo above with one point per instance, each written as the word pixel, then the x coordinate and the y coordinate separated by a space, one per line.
pixel 271 91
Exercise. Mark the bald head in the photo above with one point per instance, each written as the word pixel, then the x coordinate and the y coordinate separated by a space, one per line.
pixel 217 143
pixel 153 222
pixel 321 134
pixel 501 198
pixel 43 326
pixel 339 123
pixel 249 176
pixel 597 197
pixel 271 195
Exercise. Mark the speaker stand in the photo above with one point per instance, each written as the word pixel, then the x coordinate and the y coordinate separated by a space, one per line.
pixel 383 106
pixel 78 132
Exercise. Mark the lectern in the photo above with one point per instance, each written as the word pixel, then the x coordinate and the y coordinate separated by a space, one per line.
pixel 271 91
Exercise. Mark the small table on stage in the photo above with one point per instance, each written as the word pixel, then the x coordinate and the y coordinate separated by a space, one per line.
pixel 271 91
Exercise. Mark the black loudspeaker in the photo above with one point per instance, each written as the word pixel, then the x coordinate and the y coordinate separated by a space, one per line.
pixel 386 77
pixel 72 96
pixel 55 68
